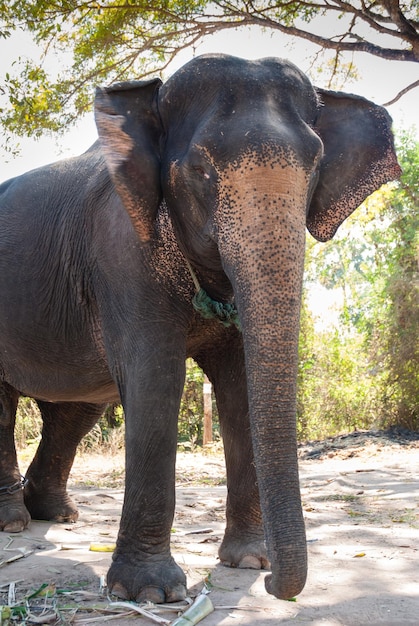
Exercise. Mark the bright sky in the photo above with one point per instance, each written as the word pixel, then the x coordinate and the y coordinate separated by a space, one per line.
pixel 380 81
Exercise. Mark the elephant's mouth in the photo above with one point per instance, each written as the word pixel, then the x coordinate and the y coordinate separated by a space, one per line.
pixel 210 308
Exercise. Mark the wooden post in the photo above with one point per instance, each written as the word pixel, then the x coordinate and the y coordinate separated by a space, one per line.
pixel 207 437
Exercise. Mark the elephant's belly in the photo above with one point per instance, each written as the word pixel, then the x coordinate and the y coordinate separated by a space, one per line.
pixel 67 376
pixel 102 395
pixel 64 387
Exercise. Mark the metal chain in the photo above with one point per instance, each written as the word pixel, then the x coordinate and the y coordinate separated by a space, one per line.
pixel 17 486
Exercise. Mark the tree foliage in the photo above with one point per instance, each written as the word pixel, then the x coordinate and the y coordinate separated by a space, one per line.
pixel 364 370
pixel 108 40
pixel 191 413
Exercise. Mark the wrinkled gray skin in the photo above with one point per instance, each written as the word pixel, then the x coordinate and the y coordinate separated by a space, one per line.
pixel 225 165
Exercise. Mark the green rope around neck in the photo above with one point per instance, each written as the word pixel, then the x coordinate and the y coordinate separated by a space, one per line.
pixel 212 309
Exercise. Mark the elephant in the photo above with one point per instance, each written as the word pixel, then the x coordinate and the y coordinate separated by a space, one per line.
pixel 180 232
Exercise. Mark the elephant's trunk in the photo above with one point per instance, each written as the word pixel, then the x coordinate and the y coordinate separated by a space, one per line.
pixel 264 261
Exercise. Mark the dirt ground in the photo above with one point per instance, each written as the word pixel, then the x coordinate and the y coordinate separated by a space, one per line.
pixel 361 505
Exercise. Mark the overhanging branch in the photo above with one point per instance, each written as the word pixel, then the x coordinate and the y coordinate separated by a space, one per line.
pixel 402 93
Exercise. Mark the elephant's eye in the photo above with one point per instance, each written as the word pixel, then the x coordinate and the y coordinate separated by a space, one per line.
pixel 200 170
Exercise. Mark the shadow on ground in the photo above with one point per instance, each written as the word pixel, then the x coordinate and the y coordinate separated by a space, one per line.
pixel 362 517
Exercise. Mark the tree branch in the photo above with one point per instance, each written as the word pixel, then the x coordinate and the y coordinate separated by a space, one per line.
pixel 116 39
pixel 392 54
pixel 402 93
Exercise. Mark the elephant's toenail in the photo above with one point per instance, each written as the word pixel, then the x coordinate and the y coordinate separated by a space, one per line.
pixel 118 590
pixel 176 594
pixel 151 594
pixel 250 562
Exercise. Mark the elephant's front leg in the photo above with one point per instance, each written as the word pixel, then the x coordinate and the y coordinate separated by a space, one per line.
pixel 143 568
pixel 243 545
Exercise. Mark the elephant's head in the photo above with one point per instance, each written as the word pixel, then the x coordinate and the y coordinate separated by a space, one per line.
pixel 247 154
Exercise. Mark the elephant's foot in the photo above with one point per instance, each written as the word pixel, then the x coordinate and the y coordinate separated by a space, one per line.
pixel 243 551
pixel 14 516
pixel 156 580
pixel 50 505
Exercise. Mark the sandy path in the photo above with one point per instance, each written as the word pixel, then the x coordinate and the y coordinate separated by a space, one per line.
pixel 360 499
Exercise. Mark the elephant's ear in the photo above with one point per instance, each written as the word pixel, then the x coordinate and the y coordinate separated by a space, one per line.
pixel 359 157
pixel 129 130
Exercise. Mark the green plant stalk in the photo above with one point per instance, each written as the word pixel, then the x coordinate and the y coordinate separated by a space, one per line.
pixel 5 615
pixel 197 612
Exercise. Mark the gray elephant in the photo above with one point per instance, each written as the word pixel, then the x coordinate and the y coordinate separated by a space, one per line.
pixel 203 184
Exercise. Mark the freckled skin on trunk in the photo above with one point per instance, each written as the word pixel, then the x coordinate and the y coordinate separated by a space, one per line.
pixel 264 261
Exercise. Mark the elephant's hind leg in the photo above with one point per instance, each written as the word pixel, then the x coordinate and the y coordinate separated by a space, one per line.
pixel 64 425
pixel 14 516
pixel 243 545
